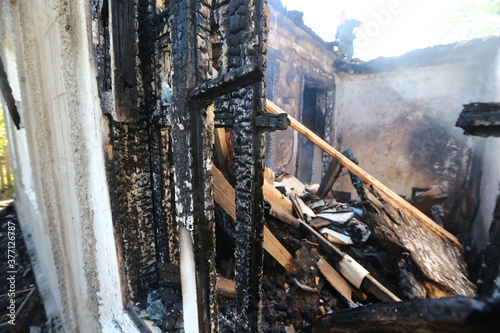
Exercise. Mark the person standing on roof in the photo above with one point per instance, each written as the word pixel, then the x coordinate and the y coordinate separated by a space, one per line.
pixel 345 35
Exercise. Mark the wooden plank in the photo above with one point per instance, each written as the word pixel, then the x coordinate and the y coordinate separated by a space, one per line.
pixel 223 153
pixel 123 60
pixel 224 195
pixel 336 281
pixel 273 246
pixel 170 275
pixel 226 287
pixel 335 254
pixel 425 221
pixel 441 268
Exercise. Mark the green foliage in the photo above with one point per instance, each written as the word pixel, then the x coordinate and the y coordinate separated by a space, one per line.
pixel 474 19
pixel 3 133
pixel 6 174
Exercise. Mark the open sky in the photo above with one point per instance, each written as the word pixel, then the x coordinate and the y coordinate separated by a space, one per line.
pixel 391 27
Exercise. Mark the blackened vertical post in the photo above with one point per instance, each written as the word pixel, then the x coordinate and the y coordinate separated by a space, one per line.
pixel 244 34
pixel 192 141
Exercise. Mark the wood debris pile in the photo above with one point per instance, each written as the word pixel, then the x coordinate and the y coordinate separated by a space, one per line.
pixel 323 255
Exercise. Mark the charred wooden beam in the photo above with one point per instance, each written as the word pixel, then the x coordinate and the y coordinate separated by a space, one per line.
pixel 271 122
pixel 480 119
pixel 331 175
pixel 8 96
pixel 128 172
pixel 243 29
pixel 454 314
pixel 124 55
pixel 192 137
pixel 266 122
pixel 235 79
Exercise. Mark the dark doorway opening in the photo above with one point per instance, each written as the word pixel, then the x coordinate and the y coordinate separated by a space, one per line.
pixel 309 157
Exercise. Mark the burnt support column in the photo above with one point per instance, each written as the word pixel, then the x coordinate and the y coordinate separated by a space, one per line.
pixel 192 140
pixel 246 46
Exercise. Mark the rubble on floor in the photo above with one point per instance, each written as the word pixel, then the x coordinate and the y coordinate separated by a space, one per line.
pixel 324 255
pixel 30 313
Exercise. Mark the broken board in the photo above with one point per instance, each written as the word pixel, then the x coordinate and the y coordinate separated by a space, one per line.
pixel 436 253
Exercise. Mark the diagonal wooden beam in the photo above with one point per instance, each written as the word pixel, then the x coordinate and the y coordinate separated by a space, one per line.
pixel 224 195
pixel 367 178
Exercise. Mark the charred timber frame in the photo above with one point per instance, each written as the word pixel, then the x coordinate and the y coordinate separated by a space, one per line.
pixel 243 29
pixel 159 163
pixel 192 136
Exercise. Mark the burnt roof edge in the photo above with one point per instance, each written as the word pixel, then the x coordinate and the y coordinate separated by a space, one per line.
pixel 465 51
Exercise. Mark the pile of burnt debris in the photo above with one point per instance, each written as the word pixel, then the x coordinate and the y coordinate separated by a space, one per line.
pixel 338 265
pixel 18 279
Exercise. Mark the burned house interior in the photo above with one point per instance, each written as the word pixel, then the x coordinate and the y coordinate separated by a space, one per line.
pixel 238 204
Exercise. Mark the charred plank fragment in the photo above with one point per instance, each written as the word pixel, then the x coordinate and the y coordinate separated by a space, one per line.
pixel 435 259
pixel 453 314
pixel 235 79
pixel 129 176
pixel 270 122
pixel 9 97
pixel 480 119
pixel 331 175
pixel 124 55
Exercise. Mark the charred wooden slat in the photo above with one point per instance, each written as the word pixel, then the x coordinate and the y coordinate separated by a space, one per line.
pixel 480 119
pixel 9 97
pixel 270 122
pixel 233 80
pixel 440 267
pixel 128 173
pixel 331 175
pixel 243 29
pixel 123 60
pixel 454 314
pixel 225 196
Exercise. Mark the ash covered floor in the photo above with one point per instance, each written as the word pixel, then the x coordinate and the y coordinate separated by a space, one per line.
pixel 31 317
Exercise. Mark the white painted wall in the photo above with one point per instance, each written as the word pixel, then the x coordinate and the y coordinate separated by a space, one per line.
pixel 401 126
pixel 61 189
